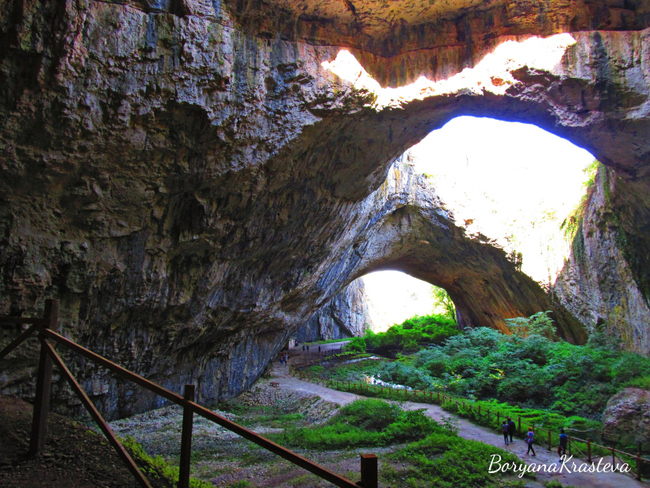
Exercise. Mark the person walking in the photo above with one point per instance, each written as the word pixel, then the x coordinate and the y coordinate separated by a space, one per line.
pixel 530 437
pixel 561 449
pixel 504 430
pixel 512 428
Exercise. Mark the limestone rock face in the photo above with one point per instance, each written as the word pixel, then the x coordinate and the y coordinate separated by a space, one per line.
pixel 605 281
pixel 627 418
pixel 192 187
pixel 401 40
pixel 346 315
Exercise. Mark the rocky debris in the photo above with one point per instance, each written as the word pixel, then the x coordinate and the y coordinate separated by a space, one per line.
pixel 626 419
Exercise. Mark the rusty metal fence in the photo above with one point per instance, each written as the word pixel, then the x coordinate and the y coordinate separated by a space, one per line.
pixel 44 328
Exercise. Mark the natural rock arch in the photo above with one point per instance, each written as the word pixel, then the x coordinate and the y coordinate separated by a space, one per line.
pixel 193 192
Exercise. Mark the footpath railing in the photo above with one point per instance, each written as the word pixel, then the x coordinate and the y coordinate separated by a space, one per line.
pixel 43 329
pixel 309 357
pixel 585 448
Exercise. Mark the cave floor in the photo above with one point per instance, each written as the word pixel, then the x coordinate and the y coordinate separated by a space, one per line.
pixel 469 430
pixel 76 457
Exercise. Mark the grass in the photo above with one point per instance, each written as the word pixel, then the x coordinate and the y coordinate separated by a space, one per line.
pixel 157 467
pixel 429 453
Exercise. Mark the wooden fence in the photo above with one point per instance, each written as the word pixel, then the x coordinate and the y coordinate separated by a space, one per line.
pixel 44 327
pixel 438 398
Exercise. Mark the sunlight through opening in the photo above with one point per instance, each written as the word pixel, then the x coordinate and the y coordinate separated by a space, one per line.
pixel 492 74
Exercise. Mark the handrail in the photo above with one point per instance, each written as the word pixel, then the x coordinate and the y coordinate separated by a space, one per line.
pixel 204 412
pixel 368 462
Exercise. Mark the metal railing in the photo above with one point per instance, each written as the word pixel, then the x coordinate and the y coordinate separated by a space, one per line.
pixel 43 328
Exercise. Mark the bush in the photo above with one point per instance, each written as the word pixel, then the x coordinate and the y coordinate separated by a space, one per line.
pixel 368 423
pixel 414 333
pixel 356 345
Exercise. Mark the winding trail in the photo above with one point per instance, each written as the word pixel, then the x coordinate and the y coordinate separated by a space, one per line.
pixel 570 475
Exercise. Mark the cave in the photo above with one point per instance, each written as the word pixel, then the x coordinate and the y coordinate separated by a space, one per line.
pixel 194 183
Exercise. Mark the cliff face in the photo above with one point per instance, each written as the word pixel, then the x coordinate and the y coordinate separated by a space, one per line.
pixel 605 281
pixel 346 315
pixel 193 190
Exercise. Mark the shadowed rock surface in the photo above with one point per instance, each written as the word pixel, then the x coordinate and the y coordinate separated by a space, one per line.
pixel 346 315
pixel 193 187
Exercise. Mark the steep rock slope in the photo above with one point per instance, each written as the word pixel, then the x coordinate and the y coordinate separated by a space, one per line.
pixel 346 315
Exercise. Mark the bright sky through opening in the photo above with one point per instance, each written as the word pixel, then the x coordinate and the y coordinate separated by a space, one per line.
pixel 515 182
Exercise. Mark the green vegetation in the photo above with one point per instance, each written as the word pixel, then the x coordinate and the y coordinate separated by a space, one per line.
pixel 363 423
pixel 434 455
pixel 529 368
pixel 157 467
pixel 413 334
pixel 573 223
pixel 441 299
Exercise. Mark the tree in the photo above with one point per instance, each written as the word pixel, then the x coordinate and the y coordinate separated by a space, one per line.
pixel 441 299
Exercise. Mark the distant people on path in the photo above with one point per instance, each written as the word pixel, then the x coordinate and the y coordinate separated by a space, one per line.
pixel 561 449
pixel 512 428
pixel 504 430
pixel 530 437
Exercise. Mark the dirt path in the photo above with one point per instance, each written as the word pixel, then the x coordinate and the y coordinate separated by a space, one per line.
pixel 570 475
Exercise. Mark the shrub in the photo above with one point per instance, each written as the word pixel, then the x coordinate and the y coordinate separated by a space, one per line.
pixel 369 422
pixel 356 345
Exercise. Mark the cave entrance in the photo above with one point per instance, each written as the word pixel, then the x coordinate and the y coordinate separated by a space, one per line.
pixel 394 296
pixel 514 184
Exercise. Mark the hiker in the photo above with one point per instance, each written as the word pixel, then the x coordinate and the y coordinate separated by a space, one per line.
pixel 530 437
pixel 512 428
pixel 561 449
pixel 504 430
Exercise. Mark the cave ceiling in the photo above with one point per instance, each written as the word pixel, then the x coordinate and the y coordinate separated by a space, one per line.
pixel 193 179
pixel 399 40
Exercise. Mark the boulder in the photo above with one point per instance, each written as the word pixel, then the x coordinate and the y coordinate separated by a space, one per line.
pixel 626 419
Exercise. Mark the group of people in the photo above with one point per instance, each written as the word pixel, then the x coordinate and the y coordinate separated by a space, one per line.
pixel 284 358
pixel 509 428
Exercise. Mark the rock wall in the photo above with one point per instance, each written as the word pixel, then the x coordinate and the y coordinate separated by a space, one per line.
pixel 192 190
pixel 605 282
pixel 346 315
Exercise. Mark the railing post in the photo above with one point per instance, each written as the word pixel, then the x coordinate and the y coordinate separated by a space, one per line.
pixel 43 385
pixel 186 440
pixel 519 421
pixel 549 439
pixel 368 471
pixel 589 450
pixel 638 466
